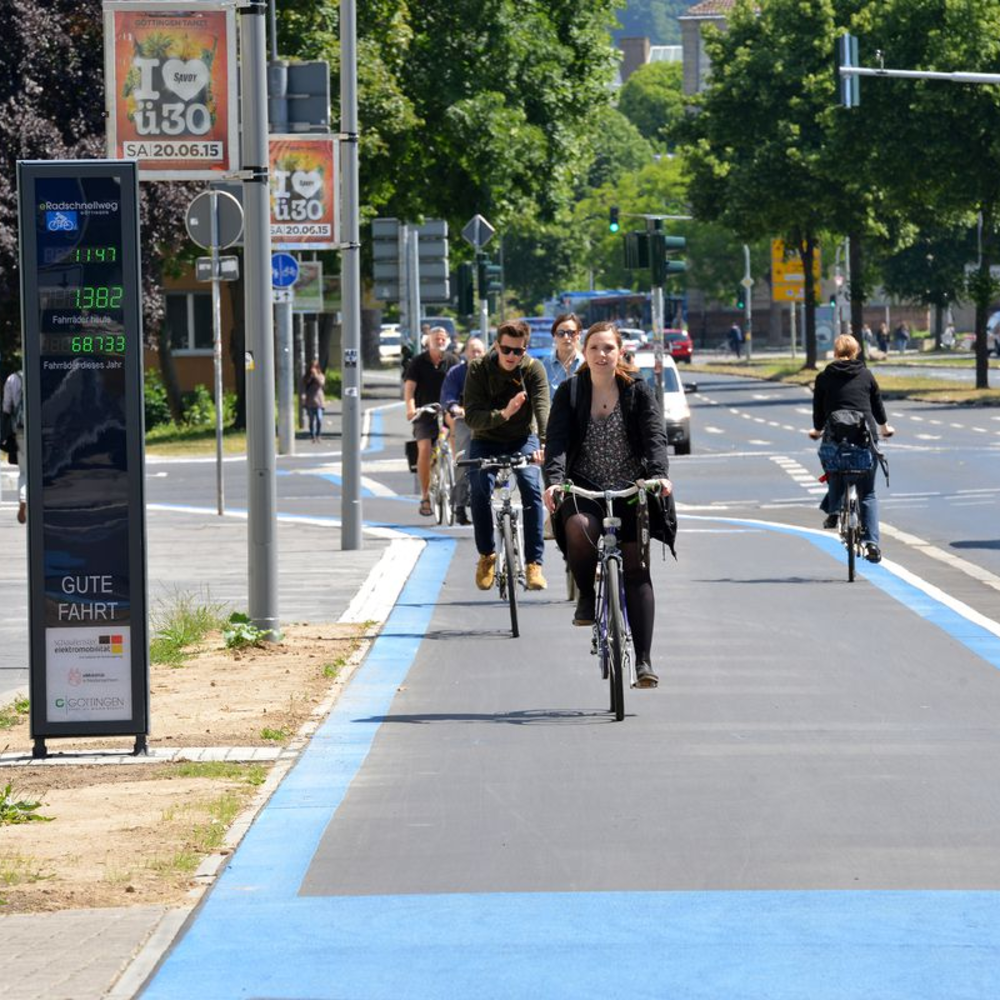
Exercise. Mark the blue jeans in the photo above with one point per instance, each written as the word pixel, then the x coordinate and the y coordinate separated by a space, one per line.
pixel 529 482
pixel 315 422
pixel 867 500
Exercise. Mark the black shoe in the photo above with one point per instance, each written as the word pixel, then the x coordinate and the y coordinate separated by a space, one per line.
pixel 644 676
pixel 872 552
pixel 830 521
pixel 461 517
pixel 584 614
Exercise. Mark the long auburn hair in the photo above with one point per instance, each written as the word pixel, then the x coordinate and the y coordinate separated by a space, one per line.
pixel 625 371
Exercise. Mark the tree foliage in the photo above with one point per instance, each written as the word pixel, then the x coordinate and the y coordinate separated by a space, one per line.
pixel 653 19
pixel 652 99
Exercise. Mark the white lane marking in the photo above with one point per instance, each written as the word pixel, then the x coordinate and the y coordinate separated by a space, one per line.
pixel 979 489
pixel 713 430
pixel 959 607
pixel 377 596
pixel 927 437
pixel 979 430
pixel 765 444
pixel 932 551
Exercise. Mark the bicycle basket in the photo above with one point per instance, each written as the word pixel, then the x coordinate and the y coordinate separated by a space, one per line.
pixel 845 457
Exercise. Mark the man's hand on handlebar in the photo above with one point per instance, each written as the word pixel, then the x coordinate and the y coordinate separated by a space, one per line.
pixel 815 434
pixel 887 430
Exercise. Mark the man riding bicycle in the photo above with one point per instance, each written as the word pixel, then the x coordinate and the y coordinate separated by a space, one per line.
pixel 846 384
pixel 507 409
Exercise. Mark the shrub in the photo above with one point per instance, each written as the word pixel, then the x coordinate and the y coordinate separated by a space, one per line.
pixel 156 407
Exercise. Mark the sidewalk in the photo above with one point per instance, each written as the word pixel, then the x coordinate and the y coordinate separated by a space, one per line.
pixel 94 954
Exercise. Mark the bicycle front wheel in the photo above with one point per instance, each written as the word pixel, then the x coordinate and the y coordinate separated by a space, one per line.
pixel 447 491
pixel 510 566
pixel 616 640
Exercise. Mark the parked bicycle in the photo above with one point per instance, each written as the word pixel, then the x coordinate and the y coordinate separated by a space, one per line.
pixel 508 527
pixel 611 638
pixel 442 483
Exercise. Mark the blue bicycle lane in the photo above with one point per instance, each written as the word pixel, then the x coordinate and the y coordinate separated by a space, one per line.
pixel 372 920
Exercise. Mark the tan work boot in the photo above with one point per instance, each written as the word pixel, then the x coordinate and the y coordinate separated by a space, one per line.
pixel 533 576
pixel 486 570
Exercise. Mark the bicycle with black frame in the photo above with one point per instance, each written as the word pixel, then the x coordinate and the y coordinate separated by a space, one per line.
pixel 508 527
pixel 849 451
pixel 611 639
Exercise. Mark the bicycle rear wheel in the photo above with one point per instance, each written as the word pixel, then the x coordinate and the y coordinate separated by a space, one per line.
pixel 851 536
pixel 616 640
pixel 510 569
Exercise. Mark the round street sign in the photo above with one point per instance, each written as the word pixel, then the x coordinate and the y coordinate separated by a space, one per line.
pixel 747 282
pixel 229 219
pixel 284 270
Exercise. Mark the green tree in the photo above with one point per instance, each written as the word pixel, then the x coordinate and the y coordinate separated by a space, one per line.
pixel 617 148
pixel 652 100
pixel 933 145
pixel 653 19
pixel 757 153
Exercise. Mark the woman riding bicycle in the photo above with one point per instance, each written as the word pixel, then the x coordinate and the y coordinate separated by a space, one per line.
pixel 846 384
pixel 606 433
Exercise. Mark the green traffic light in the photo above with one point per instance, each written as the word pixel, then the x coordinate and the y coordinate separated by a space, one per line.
pixel 613 220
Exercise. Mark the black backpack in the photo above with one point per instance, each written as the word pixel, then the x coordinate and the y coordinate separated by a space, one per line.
pixel 847 427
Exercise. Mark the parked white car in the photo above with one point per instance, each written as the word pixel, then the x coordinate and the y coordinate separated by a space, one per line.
pixel 676 412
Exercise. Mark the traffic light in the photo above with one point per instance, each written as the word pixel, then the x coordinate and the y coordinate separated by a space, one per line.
pixel 466 291
pixel 741 297
pixel 613 219
pixel 833 300
pixel 661 246
pixel 490 276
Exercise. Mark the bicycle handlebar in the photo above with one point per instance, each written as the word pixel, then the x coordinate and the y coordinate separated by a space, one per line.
pixel 496 462
pixel 653 486
pixel 432 408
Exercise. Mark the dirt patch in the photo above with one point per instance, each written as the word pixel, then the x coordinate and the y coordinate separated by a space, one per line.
pixel 133 834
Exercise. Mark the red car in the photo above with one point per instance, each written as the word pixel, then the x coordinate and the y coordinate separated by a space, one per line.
pixel 679 343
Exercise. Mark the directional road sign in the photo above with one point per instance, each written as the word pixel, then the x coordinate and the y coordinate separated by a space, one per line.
pixel 284 270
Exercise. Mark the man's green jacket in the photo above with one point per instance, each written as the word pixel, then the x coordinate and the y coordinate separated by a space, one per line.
pixel 488 389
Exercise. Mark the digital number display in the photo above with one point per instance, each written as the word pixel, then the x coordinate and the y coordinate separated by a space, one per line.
pixel 81 295
pixel 84 343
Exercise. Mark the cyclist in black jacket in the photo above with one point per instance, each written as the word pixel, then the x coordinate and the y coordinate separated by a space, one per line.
pixel 846 384
pixel 606 435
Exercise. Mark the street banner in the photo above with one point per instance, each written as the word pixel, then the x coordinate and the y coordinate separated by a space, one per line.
pixel 309 287
pixel 304 192
pixel 170 87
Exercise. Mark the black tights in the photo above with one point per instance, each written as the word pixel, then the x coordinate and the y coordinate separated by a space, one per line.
pixel 582 532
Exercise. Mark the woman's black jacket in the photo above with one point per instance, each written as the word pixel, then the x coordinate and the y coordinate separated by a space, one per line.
pixel 644 427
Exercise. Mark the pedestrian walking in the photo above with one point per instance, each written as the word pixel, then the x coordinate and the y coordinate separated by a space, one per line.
pixel 12 437
pixel 313 399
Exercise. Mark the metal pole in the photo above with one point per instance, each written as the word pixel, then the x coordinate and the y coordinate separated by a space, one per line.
pixel 350 281
pixel 748 303
pixel 657 317
pixel 847 287
pixel 220 504
pixel 791 306
pixel 261 492
pixel 299 353
pixel 286 376
pixel 413 282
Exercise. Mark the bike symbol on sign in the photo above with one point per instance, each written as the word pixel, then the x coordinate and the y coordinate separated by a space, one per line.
pixel 284 270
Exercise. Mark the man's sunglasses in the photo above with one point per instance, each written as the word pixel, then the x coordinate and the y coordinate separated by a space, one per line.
pixel 566 331
pixel 505 349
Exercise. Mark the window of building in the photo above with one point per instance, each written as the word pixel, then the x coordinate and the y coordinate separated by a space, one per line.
pixel 189 322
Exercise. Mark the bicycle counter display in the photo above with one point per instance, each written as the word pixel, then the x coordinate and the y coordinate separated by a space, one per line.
pixel 84 425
